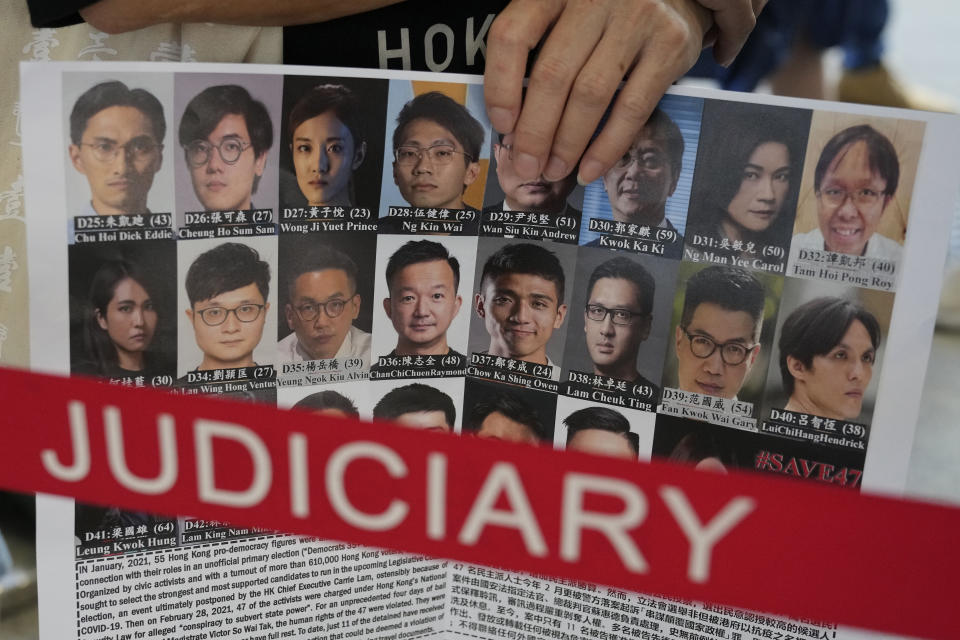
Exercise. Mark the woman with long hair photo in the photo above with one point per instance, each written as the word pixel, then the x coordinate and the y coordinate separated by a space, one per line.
pixel 745 187
pixel 120 323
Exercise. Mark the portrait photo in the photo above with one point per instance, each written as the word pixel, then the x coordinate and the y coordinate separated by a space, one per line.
pixel 227 129
pixel 617 432
pixel 746 184
pixel 123 313
pixel 619 319
pixel 500 412
pixel 857 185
pixel 119 147
pixel 325 296
pixel 226 302
pixel 436 154
pixel 719 450
pixel 507 191
pixel 702 446
pixel 828 350
pixel 421 295
pixel 721 331
pixel 331 142
pixel 650 184
pixel 521 300
pixel 433 405
pixel 339 399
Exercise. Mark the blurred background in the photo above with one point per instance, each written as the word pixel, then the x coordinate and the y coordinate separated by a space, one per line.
pixel 921 50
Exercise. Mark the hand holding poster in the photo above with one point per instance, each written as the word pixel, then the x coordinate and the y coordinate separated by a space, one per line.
pixel 360 261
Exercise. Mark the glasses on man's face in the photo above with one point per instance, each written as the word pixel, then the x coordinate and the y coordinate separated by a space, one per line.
pixel 309 311
pixel 230 150
pixel 437 154
pixel 647 160
pixel 215 316
pixel 732 353
pixel 598 313
pixel 835 196
pixel 137 149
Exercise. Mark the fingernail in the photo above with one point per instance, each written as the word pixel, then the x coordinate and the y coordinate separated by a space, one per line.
pixel 556 169
pixel 526 166
pixel 501 119
pixel 590 170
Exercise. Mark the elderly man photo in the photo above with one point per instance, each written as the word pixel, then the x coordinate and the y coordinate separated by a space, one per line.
pixel 533 196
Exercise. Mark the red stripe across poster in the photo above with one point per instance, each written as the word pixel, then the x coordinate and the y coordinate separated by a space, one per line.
pixel 743 540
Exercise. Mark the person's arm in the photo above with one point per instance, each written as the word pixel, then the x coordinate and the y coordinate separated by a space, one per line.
pixel 117 16
pixel 588 48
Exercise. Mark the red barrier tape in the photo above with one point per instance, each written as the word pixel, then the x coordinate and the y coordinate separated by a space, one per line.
pixel 743 540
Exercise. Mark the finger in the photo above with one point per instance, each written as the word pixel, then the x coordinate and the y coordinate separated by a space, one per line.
pixel 649 81
pixel 735 20
pixel 592 93
pixel 710 37
pixel 571 42
pixel 512 36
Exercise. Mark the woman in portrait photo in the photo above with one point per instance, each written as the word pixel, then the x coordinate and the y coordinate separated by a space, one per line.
pixel 746 185
pixel 327 143
pixel 828 347
pixel 120 323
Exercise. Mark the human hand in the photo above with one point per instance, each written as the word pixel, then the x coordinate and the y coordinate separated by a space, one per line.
pixel 733 21
pixel 589 47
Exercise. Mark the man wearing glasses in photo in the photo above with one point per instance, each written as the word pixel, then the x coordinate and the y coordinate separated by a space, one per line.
pixel 227 287
pixel 717 340
pixel 225 135
pixel 855 179
pixel 116 136
pixel 322 306
pixel 617 318
pixel 436 148
pixel 640 182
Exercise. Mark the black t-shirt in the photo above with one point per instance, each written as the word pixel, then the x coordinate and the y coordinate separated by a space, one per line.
pixel 56 13
pixel 420 35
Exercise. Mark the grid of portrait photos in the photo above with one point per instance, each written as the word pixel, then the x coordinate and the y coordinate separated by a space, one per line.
pixel 363 247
